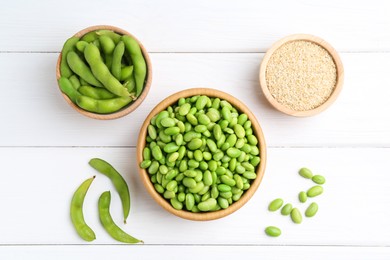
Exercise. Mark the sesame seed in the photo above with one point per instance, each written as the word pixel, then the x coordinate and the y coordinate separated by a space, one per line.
pixel 301 75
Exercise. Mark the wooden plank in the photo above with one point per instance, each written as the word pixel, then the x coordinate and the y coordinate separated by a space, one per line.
pixel 201 26
pixel 38 184
pixel 35 114
pixel 193 252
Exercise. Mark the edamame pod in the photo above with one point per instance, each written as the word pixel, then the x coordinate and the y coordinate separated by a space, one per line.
pixel 113 35
pixel 68 46
pixel 76 212
pixel 116 67
pixel 109 225
pixel 80 68
pixel 118 181
pixel 102 106
pixel 96 93
pixel 68 89
pixel 102 73
pixel 133 48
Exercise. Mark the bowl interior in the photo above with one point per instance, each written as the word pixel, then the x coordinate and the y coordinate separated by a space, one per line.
pixel 339 77
pixel 132 106
pixel 260 168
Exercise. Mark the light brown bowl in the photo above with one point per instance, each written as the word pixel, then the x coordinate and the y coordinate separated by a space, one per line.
pixel 318 41
pixel 127 109
pixel 257 132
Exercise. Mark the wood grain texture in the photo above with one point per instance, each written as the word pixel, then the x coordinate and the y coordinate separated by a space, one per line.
pixel 36 115
pixel 201 26
pixel 202 216
pixel 193 252
pixel 36 192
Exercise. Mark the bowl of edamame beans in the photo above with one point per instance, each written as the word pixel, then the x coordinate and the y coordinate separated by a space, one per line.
pixel 201 154
pixel 104 72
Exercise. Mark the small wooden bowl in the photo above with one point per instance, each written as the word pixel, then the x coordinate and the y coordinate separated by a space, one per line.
pixel 257 132
pixel 318 41
pixel 127 109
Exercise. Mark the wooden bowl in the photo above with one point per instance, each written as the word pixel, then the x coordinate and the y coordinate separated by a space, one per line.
pixel 339 77
pixel 127 109
pixel 257 132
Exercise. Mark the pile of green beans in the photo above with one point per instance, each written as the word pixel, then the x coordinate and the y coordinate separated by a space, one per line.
pixel 103 71
pixel 76 207
pixel 201 154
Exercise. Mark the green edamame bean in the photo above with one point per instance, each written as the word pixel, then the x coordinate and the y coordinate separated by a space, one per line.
pixel 67 88
pixel 255 161
pixel 145 164
pixel 146 153
pixel 286 210
pixel 96 93
pixel 69 45
pixel 302 197
pixel 176 204
pixel 273 231
pixel 75 81
pixel 153 168
pixel 109 225
pixel 78 66
pixel 315 191
pixel 319 179
pixel 227 180
pixel 305 173
pixel 105 106
pixel 296 216
pixel 102 73
pixel 311 210
pixel 194 144
pixel 207 205
pixel 76 211
pixel 275 204
pixel 189 182
pixel 117 180
pixel 116 67
pixel 190 201
pixel 140 69
pixel 156 152
pixel 198 187
pixel 252 139
pixel 233 152
pixel 239 131
pixel 250 175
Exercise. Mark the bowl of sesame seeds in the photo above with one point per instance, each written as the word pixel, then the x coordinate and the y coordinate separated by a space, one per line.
pixel 301 75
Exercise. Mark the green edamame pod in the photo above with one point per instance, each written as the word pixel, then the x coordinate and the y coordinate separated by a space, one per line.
pixel 118 181
pixel 114 36
pixel 102 73
pixel 133 48
pixel 76 211
pixel 126 72
pixel 80 68
pixel 80 45
pixel 67 88
pixel 75 81
pixel 68 46
pixel 106 106
pixel 96 93
pixel 89 37
pixel 116 67
pixel 107 44
pixel 109 225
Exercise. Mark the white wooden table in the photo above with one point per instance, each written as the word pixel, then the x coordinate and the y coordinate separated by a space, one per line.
pixel 45 145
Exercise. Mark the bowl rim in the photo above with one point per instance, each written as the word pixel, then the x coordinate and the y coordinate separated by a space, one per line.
pixel 202 216
pixel 127 109
pixel 302 37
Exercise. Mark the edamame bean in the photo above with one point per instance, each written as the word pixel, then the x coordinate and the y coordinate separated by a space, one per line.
pixel 102 73
pixel 109 225
pixel 315 191
pixel 275 204
pixel 305 173
pixel 311 210
pixel 207 205
pixel 286 210
pixel 134 50
pixel 296 216
pixel 302 197
pixel 319 179
pixel 76 211
pixel 117 180
pixel 69 45
pixel 273 231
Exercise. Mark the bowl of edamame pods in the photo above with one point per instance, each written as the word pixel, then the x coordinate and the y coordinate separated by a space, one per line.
pixel 104 72
pixel 201 154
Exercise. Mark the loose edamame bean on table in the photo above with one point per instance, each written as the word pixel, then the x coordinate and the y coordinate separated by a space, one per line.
pixel 118 181
pixel 76 211
pixel 188 147
pixel 108 223
pixel 102 64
